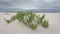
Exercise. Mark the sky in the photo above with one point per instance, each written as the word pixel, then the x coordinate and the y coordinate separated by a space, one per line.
pixel 30 4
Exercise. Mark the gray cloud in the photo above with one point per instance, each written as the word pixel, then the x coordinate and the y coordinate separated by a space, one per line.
pixel 5 4
pixel 30 3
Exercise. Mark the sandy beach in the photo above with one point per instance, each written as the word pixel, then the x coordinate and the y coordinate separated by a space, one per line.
pixel 18 28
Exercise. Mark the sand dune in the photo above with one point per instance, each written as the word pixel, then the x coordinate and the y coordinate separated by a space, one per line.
pixel 18 28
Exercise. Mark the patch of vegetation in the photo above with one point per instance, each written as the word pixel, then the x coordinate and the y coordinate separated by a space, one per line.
pixel 29 19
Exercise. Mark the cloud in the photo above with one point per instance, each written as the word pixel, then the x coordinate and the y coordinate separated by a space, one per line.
pixel 5 3
pixel 32 4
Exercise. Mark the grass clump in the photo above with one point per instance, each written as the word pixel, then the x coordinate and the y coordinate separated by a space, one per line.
pixel 30 19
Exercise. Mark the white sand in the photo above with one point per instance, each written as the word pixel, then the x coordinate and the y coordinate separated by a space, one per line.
pixel 18 28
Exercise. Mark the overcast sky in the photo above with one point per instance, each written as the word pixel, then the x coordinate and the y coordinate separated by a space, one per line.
pixel 30 4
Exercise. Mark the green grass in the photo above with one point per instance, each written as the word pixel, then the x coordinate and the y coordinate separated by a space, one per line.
pixel 29 22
